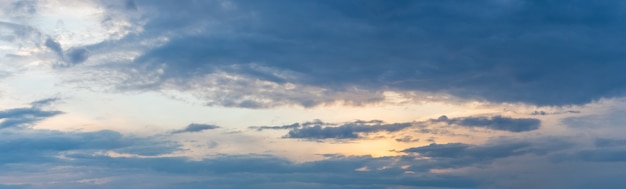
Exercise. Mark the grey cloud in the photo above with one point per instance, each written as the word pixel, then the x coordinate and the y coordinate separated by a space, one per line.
pixel 54 46
pixel 597 122
pixel 35 146
pixel 495 123
pixel 458 155
pixel 21 10
pixel 72 56
pixel 486 50
pixel 607 142
pixel 460 150
pixel 20 34
pixel 44 102
pixel 24 117
pixel 77 55
pixel 352 130
pixel 603 155
pixel 344 131
pixel 195 127
pixel 292 126
pixel 42 151
pixel 13 186
pixel 407 139
pixel 261 128
pixel 244 171
pixel 554 113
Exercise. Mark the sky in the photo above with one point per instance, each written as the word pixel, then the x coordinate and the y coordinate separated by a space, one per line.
pixel 403 94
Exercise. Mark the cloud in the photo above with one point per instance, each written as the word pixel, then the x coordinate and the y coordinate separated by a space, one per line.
pixel 351 130
pixel 554 113
pixel 463 155
pixel 603 155
pixel 57 153
pixel 407 139
pixel 195 127
pixel 44 102
pixel 19 34
pixel 41 146
pixel 55 47
pixel 20 10
pixel 72 56
pixel 77 55
pixel 292 126
pixel 460 150
pixel 495 123
pixel 25 117
pixel 607 142
pixel 510 52
pixel 355 130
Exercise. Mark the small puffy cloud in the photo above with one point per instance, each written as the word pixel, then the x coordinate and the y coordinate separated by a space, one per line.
pixel 195 127
pixel 496 123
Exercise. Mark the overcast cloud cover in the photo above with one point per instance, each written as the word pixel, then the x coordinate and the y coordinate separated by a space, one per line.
pixel 312 94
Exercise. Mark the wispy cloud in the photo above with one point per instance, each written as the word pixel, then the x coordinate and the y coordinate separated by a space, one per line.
pixel 195 127
pixel 495 123
pixel 25 117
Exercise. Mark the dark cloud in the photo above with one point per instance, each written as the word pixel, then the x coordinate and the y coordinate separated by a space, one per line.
pixel 495 123
pixel 459 155
pixel 607 142
pixel 24 117
pixel 407 139
pixel 355 130
pixel 195 127
pixel 554 113
pixel 77 55
pixel 54 46
pixel 70 57
pixel 537 52
pixel 343 131
pixel 460 150
pixel 36 146
pixel 603 155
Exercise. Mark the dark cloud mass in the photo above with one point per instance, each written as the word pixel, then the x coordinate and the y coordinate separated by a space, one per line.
pixel 539 52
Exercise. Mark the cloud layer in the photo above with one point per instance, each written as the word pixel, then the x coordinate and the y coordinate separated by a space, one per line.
pixel 512 51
